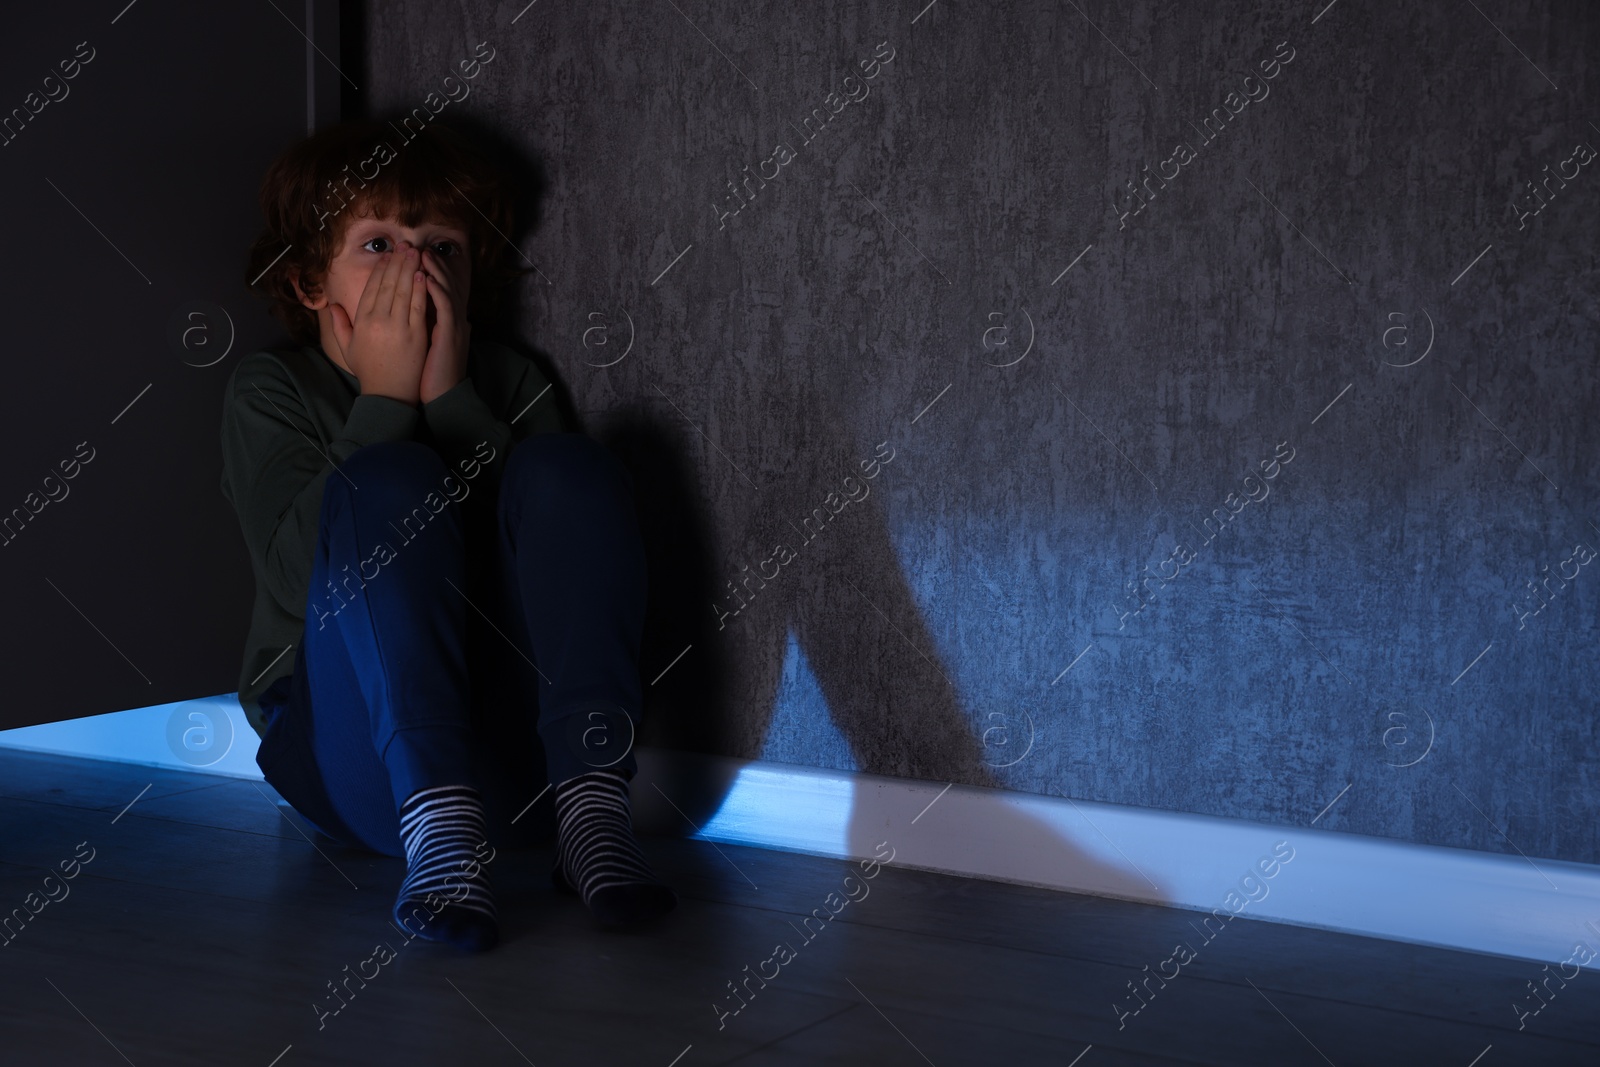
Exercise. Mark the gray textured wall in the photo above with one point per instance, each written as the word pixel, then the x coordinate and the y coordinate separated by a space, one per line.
pixel 1338 290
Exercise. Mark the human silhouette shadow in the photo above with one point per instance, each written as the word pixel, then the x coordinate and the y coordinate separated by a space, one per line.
pixel 847 602
pixel 844 596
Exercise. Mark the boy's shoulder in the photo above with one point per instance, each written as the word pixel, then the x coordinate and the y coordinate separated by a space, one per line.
pixel 302 365
pixel 504 365
pixel 499 354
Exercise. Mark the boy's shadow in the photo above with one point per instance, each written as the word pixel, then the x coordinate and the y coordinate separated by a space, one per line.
pixel 844 597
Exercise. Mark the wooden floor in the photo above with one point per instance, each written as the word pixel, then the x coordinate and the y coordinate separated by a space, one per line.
pixel 206 929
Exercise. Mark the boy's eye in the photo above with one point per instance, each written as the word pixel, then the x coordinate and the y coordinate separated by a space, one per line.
pixel 442 249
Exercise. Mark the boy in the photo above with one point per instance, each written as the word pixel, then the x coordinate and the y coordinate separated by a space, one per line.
pixel 449 588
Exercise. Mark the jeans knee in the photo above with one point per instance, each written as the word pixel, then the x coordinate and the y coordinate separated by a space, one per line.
pixel 407 453
pixel 562 466
pixel 408 470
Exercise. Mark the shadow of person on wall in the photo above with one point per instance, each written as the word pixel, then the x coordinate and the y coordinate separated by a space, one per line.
pixel 712 679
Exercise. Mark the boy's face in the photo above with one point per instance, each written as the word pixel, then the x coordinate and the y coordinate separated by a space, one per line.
pixel 363 243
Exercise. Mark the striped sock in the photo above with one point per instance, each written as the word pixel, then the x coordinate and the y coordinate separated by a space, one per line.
pixel 597 855
pixel 445 895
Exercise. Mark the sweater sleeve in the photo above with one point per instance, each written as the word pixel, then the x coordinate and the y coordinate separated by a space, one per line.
pixel 277 470
pixel 460 420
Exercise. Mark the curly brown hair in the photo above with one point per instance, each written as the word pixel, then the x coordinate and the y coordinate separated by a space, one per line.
pixel 317 185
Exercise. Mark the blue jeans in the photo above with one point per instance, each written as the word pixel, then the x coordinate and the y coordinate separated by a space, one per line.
pixel 455 636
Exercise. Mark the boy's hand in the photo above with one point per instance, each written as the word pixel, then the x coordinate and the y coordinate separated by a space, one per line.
pixel 446 362
pixel 387 344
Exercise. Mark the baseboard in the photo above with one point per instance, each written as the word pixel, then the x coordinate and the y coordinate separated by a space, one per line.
pixel 1350 883
pixel 1445 897
pixel 207 734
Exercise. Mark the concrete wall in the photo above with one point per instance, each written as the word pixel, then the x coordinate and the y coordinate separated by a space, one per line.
pixel 1338 330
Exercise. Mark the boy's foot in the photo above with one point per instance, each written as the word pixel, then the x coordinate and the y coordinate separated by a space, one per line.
pixel 445 895
pixel 597 855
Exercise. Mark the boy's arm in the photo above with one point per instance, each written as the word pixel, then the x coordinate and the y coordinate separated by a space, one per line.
pixel 277 469
pixel 460 420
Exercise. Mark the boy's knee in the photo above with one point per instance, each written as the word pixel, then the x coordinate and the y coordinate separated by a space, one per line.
pixel 403 452
pixel 564 463
pixel 407 469
pixel 395 461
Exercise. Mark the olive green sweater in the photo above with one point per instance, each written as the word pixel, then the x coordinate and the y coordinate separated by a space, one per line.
pixel 289 415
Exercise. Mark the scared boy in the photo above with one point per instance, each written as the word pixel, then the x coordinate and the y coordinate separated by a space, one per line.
pixel 450 587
